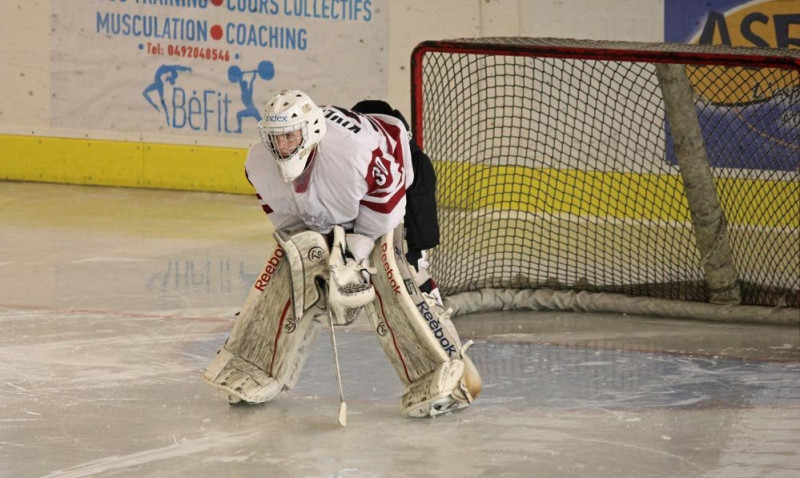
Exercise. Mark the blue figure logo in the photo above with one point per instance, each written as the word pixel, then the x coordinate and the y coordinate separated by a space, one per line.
pixel 164 73
pixel 265 71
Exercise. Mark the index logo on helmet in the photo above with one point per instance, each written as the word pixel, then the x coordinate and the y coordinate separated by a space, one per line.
pixel 276 119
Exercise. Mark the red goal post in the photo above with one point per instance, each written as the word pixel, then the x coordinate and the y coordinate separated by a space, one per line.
pixel 614 176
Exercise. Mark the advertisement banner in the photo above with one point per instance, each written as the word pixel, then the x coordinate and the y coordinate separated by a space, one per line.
pixel 753 117
pixel 207 67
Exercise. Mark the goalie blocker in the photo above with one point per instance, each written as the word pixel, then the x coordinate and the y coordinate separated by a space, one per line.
pixel 268 346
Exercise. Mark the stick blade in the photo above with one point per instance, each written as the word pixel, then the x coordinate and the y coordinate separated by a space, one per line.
pixel 343 414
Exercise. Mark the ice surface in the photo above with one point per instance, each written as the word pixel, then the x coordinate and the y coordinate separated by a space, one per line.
pixel 112 302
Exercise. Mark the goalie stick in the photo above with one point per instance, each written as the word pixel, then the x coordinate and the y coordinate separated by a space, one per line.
pixel 348 292
pixel 342 403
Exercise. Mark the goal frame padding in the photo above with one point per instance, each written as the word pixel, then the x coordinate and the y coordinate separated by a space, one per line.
pixel 491 300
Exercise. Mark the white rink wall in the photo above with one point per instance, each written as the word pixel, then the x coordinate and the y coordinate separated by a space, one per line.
pixel 25 29
pixel 76 86
pixel 89 96
pixel 415 21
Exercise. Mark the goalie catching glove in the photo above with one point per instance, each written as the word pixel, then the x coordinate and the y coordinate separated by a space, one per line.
pixel 349 287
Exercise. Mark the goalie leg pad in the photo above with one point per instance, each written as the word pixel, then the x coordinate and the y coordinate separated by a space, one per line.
pixel 268 346
pixel 418 337
pixel 405 335
pixel 308 255
pixel 472 378
pixel 240 380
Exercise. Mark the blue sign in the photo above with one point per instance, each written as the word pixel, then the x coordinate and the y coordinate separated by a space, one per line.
pixel 754 122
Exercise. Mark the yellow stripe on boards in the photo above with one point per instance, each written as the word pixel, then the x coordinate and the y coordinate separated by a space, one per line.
pixel 123 163
pixel 761 203
pixel 636 196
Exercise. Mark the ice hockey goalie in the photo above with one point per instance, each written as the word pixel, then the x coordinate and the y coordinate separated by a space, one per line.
pixel 286 306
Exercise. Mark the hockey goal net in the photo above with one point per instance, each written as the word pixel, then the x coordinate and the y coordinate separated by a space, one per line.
pixel 573 166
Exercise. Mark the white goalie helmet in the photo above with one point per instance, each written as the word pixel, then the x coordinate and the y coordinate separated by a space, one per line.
pixel 292 127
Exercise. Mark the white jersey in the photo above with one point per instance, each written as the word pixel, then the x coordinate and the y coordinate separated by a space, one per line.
pixel 358 180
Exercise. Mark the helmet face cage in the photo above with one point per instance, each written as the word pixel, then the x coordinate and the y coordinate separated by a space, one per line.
pixel 292 127
pixel 284 142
